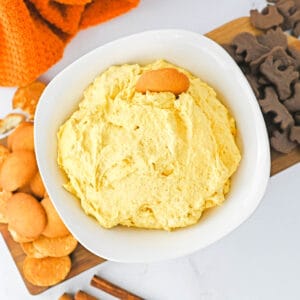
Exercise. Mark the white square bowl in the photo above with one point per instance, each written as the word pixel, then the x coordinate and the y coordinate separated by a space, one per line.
pixel 205 59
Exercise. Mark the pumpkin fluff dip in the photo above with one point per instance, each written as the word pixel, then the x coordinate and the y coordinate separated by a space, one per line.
pixel 149 146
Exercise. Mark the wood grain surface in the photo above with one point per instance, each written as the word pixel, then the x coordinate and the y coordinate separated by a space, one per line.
pixel 81 258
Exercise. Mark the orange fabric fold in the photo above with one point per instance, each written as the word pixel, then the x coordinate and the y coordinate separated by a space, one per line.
pixel 73 2
pixel 102 10
pixel 34 33
pixel 28 47
pixel 64 17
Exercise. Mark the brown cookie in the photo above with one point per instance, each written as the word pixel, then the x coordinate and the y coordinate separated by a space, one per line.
pixel 247 44
pixel 293 104
pixel 268 18
pixel 281 78
pixel 4 198
pixel 280 142
pixel 55 247
pixel 297 118
pixel 296 29
pixel 231 50
pixel 297 3
pixel 17 170
pixel 286 8
pixel 37 186
pixel 294 18
pixel 273 38
pixel 252 79
pixel 26 215
pixel 46 271
pixel 26 98
pixel 55 226
pixel 22 137
pixel 295 53
pixel 295 134
pixel 271 104
pixel 271 127
pixel 262 80
pixel 277 54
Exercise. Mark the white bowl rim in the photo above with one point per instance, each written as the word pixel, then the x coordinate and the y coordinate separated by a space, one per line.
pixel 263 159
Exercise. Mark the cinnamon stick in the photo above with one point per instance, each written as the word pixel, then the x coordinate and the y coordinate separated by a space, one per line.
pixel 112 289
pixel 65 296
pixel 81 295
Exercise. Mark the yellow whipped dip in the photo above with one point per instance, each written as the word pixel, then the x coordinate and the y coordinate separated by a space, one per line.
pixel 147 160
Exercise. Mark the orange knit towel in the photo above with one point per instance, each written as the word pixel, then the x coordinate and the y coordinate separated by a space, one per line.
pixel 34 33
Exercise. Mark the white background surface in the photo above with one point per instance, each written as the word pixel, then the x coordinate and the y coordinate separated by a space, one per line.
pixel 260 260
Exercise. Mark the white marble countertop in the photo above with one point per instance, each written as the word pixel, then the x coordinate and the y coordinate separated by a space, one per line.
pixel 259 260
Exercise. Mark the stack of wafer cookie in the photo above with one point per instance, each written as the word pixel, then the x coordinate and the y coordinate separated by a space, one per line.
pixel 25 206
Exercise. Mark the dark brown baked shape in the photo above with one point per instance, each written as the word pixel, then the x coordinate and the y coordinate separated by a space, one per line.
pixel 296 30
pixel 278 53
pixel 253 81
pixel 293 104
pixel 280 141
pixel 295 134
pixel 280 78
pixel 278 13
pixel 247 44
pixel 273 38
pixel 295 54
pixel 271 68
pixel 268 18
pixel 232 52
pixel 271 104
pixel 297 118
pixel 262 80
pixel 286 9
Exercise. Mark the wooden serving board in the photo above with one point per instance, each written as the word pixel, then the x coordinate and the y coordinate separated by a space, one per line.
pixel 81 258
